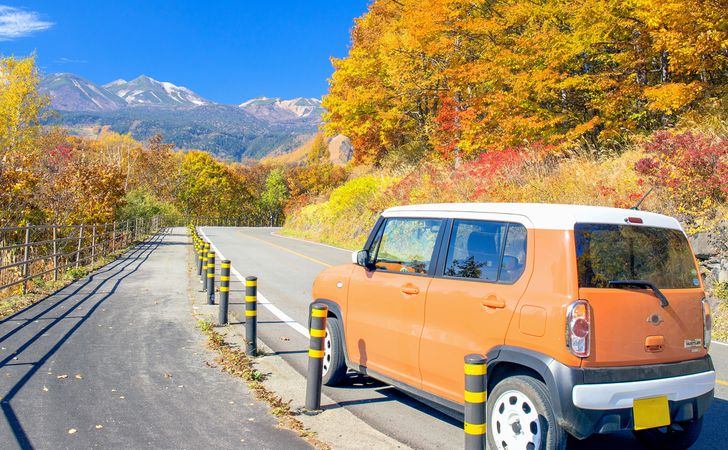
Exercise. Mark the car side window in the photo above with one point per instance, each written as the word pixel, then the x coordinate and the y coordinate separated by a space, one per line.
pixel 487 251
pixel 475 249
pixel 406 245
pixel 514 254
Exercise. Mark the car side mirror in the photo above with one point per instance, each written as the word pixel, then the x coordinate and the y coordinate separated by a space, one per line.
pixel 360 258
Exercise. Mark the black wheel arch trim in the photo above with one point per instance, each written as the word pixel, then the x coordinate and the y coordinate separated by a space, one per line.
pixel 539 363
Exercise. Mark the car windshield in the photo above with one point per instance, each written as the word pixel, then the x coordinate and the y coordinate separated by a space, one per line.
pixel 608 252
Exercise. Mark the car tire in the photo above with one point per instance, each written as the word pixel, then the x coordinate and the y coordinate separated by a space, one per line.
pixel 520 416
pixel 676 436
pixel 334 362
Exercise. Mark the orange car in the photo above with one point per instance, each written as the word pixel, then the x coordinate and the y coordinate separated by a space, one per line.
pixel 593 319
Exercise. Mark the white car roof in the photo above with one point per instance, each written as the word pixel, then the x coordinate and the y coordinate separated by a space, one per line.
pixel 538 215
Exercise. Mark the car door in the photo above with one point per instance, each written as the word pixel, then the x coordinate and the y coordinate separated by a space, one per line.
pixel 472 298
pixel 386 305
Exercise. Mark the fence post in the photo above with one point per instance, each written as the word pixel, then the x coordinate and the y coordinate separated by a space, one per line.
pixel 224 292
pixel 251 315
pixel 93 245
pixel 475 396
pixel 105 241
pixel 316 351
pixel 78 248
pixel 55 253
pixel 25 259
pixel 211 278
pixel 113 238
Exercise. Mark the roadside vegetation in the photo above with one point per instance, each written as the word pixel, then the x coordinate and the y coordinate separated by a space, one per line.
pixel 592 103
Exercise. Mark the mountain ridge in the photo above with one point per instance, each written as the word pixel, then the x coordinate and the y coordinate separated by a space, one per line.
pixel 144 106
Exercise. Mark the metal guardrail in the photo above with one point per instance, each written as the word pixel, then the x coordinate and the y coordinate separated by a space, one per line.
pixel 35 252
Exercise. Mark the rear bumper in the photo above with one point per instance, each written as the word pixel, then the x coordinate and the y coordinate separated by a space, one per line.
pixel 622 395
pixel 600 400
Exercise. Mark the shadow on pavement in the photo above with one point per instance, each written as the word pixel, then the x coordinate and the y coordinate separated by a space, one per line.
pixel 133 259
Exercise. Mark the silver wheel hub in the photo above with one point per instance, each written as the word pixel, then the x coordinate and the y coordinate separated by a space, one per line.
pixel 514 422
pixel 327 354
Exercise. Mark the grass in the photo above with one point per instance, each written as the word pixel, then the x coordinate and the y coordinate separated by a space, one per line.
pixel 720 315
pixel 235 362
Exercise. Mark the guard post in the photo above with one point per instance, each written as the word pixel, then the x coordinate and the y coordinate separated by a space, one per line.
pixel 211 278
pixel 251 315
pixel 222 316
pixel 475 396
pixel 203 266
pixel 317 330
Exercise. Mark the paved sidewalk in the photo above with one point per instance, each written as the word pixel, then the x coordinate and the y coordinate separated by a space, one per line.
pixel 114 361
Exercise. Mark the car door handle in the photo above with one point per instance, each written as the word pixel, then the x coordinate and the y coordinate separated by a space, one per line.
pixel 493 302
pixel 410 290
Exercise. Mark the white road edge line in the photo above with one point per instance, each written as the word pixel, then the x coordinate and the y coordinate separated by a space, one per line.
pixel 273 233
pixel 720 343
pixel 285 318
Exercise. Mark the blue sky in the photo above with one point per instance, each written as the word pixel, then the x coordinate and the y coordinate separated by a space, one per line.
pixel 226 51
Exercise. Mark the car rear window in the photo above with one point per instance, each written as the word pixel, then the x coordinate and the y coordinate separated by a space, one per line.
pixel 610 252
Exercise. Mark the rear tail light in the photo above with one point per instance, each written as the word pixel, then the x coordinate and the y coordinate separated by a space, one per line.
pixel 707 324
pixel 578 328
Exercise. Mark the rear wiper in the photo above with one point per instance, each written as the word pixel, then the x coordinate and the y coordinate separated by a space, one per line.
pixel 645 284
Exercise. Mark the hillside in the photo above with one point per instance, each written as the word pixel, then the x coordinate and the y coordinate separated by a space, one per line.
pixel 339 148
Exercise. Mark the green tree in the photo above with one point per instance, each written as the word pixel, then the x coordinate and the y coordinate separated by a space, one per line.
pixel 275 195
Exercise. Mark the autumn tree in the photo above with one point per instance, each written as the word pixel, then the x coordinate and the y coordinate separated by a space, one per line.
pixel 21 110
pixel 463 77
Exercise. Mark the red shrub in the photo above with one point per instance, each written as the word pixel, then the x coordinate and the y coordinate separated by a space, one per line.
pixel 692 167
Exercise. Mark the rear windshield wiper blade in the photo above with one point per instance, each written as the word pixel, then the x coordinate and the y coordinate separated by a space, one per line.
pixel 642 283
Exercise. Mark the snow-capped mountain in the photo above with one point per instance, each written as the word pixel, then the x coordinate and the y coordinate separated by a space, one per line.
pixel 146 91
pixel 275 108
pixel 302 107
pixel 145 107
pixel 70 92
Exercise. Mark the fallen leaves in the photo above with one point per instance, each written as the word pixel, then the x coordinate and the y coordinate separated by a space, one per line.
pixel 62 377
pixel 72 431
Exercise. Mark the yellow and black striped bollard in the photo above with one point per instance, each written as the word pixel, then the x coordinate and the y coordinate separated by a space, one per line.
pixel 211 278
pixel 475 396
pixel 203 265
pixel 319 311
pixel 222 316
pixel 198 249
pixel 251 315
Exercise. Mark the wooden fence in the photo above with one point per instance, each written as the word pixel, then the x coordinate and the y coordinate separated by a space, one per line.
pixel 44 252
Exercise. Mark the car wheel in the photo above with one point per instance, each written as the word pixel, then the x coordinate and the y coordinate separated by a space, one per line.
pixel 520 416
pixel 334 363
pixel 676 436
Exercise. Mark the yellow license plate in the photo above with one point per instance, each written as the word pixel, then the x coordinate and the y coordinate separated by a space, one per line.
pixel 651 412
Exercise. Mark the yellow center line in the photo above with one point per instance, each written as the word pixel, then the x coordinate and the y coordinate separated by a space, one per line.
pixel 287 250
pixel 724 383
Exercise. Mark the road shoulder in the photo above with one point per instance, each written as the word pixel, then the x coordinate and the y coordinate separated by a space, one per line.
pixel 336 426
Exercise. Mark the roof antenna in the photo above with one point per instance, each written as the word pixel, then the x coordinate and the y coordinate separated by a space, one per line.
pixel 637 206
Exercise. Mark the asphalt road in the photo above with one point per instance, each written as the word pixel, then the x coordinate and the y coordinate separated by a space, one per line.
pixel 114 361
pixel 286 268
